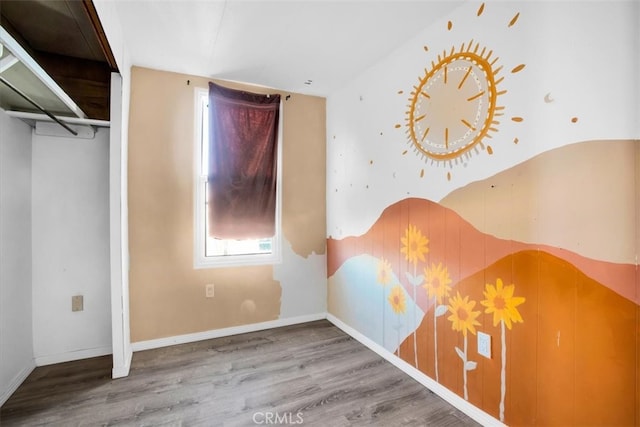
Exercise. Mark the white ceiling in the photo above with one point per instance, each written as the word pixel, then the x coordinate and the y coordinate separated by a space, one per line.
pixel 279 44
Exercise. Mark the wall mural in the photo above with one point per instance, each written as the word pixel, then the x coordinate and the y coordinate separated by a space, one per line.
pixel 500 301
pixel 530 300
pixel 454 106
pixel 534 246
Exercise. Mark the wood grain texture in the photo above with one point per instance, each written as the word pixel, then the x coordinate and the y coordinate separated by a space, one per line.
pixel 308 374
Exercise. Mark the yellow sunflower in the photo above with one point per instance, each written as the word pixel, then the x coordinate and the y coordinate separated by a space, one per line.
pixel 397 300
pixel 437 281
pixel 414 245
pixel 384 272
pixel 463 318
pixel 501 302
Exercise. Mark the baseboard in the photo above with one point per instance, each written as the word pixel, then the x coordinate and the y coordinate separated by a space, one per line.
pixel 51 359
pixel 458 402
pixel 224 332
pixel 15 383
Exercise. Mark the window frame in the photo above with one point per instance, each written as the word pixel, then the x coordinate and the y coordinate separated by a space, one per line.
pixel 200 259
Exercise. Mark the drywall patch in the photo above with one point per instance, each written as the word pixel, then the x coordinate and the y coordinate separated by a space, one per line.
pixel 303 282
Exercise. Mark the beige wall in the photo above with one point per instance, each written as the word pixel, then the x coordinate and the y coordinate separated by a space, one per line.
pixel 167 293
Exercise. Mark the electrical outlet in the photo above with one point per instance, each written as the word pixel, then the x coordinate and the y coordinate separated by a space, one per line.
pixel 77 303
pixel 210 290
pixel 484 344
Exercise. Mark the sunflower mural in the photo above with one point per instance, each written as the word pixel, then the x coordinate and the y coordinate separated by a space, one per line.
pixel 414 248
pixel 414 245
pixel 464 319
pixel 500 301
pixel 436 284
pixel 384 274
pixel 398 304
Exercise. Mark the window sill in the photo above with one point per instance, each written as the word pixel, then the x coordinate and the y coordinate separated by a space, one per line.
pixel 237 261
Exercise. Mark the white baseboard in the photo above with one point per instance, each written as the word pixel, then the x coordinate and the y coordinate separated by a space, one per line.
pixel 50 359
pixel 458 402
pixel 15 383
pixel 224 332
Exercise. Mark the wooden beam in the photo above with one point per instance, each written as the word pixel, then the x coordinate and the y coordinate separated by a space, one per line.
pixel 100 34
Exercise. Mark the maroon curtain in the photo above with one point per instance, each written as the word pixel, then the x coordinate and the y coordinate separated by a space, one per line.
pixel 243 148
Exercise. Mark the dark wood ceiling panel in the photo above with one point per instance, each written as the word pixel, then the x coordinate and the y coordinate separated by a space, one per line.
pixel 59 27
pixel 86 82
pixel 68 41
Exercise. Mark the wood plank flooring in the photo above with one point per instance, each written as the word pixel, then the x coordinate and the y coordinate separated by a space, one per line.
pixel 311 374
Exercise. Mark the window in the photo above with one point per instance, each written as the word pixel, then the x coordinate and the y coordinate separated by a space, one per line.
pixel 211 252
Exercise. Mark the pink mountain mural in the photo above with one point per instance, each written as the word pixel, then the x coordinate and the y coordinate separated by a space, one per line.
pixel 465 249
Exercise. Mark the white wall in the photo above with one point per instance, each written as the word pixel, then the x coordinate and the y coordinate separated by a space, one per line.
pixel 16 340
pixel 70 202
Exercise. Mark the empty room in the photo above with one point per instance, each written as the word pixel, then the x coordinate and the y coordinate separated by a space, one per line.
pixel 327 213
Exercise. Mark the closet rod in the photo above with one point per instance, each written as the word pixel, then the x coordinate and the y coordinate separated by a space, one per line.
pixel 67 120
pixel 32 102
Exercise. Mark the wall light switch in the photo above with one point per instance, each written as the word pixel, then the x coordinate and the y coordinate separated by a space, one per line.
pixel 210 290
pixel 484 344
pixel 77 303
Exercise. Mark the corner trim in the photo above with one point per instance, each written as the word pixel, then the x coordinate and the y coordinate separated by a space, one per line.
pixel 123 370
pixel 15 383
pixel 459 403
pixel 224 332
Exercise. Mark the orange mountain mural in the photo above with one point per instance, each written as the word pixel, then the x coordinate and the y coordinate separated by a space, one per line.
pixel 572 361
pixel 564 339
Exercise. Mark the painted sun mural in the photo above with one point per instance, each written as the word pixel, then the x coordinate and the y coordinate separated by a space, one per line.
pixel 454 108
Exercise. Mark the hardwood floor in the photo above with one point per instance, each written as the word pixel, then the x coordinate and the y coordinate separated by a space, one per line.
pixel 309 374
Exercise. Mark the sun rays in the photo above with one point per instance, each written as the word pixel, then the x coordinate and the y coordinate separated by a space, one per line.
pixel 454 111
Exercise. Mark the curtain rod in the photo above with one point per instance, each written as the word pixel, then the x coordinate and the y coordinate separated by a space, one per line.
pixel 32 102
